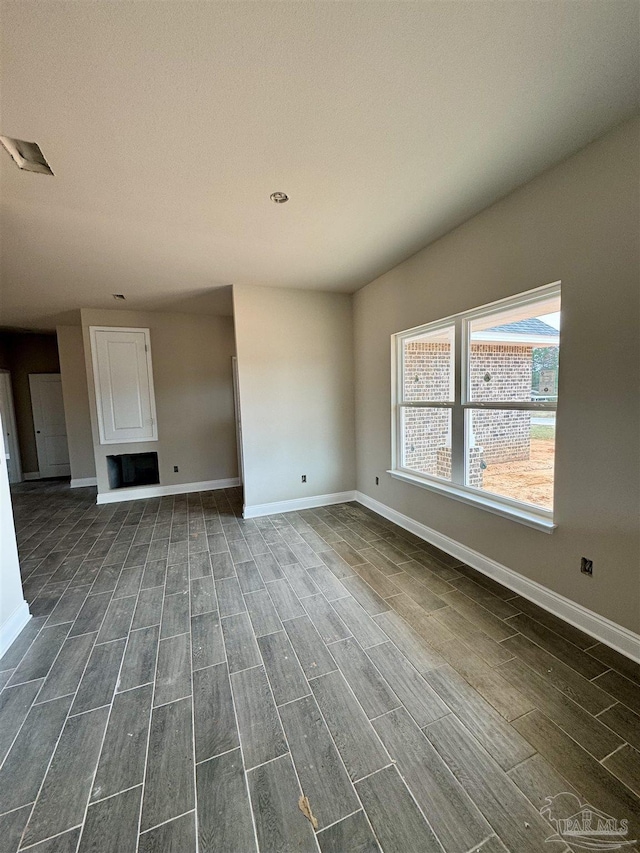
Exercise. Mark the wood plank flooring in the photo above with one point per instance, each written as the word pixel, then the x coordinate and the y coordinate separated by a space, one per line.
pixel 189 675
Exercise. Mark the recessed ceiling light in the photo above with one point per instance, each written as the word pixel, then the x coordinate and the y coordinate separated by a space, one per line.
pixel 27 155
pixel 119 297
pixel 279 198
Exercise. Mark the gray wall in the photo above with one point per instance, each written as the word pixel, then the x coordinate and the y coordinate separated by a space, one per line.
pixel 76 402
pixel 14 612
pixel 192 374
pixel 295 363
pixel 578 223
pixel 25 354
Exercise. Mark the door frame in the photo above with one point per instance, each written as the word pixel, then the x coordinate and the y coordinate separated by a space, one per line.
pixel 236 404
pixel 11 425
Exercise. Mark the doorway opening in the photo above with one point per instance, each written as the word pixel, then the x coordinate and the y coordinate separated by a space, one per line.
pixel 9 445
pixel 32 407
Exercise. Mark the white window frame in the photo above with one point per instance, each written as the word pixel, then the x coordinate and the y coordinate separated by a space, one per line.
pixel 461 407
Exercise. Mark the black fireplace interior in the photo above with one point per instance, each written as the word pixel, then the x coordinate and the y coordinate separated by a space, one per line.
pixel 133 469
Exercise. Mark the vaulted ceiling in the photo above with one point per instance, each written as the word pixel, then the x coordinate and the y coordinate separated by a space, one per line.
pixel 169 124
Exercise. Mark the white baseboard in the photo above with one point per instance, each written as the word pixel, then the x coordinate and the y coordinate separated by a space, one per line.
pixel 600 628
pixel 32 475
pixel 82 482
pixel 14 624
pixel 142 492
pixel 297 503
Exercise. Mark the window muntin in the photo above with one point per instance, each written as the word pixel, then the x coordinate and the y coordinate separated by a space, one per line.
pixel 476 400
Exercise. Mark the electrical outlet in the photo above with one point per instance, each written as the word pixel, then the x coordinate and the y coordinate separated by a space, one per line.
pixel 377 481
pixel 304 478
pixel 175 469
pixel 586 566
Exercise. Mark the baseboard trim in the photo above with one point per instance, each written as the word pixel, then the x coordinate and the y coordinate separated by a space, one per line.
pixel 297 503
pixel 31 475
pixel 136 493
pixel 82 482
pixel 599 627
pixel 12 627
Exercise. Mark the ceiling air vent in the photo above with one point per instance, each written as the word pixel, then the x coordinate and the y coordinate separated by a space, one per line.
pixel 27 155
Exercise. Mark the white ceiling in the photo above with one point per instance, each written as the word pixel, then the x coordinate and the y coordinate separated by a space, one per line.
pixel 169 124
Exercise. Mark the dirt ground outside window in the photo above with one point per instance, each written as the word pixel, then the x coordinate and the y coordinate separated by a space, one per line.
pixel 530 481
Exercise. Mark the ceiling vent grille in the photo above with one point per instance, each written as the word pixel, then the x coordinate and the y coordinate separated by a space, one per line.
pixel 27 155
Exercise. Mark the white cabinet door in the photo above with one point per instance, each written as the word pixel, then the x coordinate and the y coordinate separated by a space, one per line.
pixel 124 385
pixel 49 424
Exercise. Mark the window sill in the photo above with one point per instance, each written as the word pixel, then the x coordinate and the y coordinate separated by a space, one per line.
pixel 529 517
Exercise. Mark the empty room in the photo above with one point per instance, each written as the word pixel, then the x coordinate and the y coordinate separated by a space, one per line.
pixel 320 416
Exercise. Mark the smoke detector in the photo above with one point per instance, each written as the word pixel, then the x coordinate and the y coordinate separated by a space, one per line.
pixel 26 155
pixel 279 198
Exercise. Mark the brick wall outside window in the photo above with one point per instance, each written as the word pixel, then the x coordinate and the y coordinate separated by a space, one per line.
pixel 426 371
pixel 504 436
pixel 500 436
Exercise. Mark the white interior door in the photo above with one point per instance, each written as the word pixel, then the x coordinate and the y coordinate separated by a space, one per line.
pixel 9 430
pixel 49 424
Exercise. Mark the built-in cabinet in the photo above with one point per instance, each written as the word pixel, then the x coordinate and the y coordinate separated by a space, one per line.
pixel 123 375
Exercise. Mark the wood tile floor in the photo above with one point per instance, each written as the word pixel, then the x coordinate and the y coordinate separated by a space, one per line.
pixel 188 676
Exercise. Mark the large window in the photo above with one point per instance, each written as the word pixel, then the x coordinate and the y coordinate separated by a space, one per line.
pixel 475 399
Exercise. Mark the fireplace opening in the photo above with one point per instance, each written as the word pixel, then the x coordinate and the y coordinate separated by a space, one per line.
pixel 133 469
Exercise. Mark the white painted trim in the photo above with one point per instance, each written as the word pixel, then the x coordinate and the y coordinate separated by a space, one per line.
pixel 31 475
pixel 142 492
pixel 517 339
pixel 238 413
pixel 537 294
pixel 616 636
pixel 297 503
pixel 81 482
pixel 14 624
pixel 461 403
pixel 514 510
